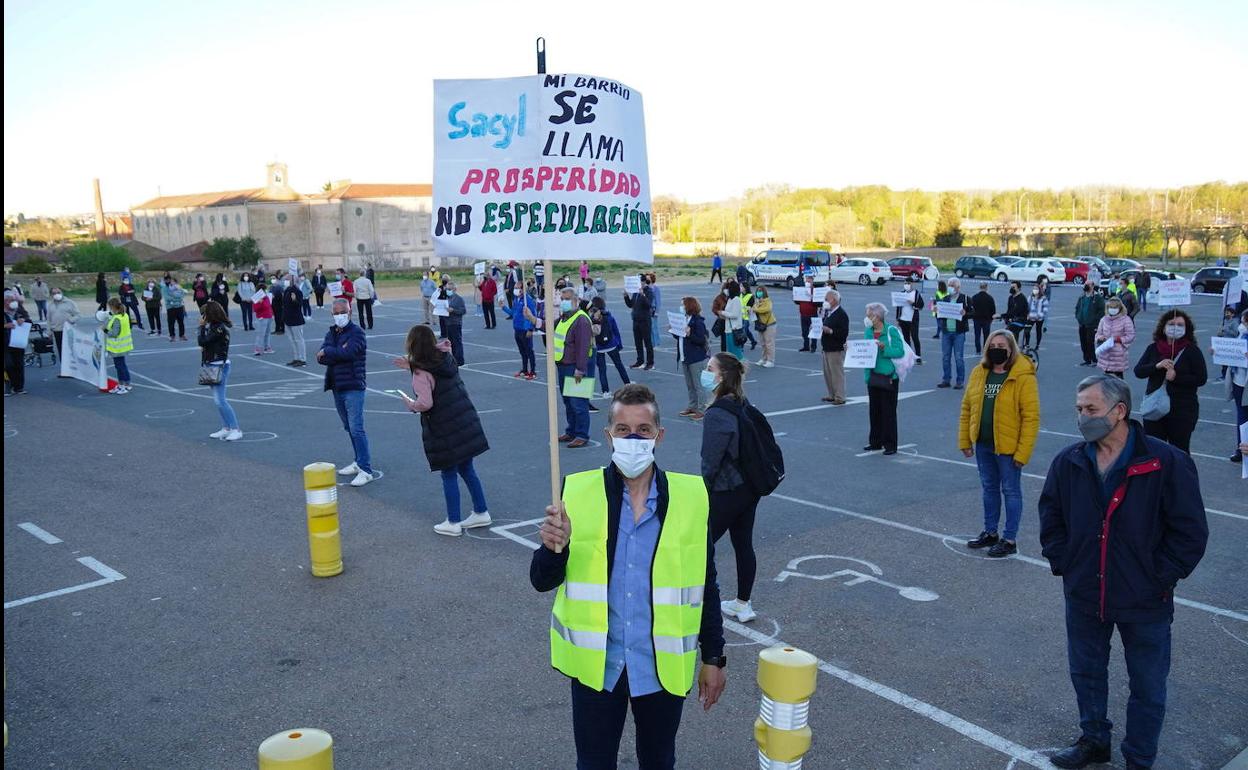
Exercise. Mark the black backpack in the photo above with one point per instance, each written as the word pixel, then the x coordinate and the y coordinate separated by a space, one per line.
pixel 760 458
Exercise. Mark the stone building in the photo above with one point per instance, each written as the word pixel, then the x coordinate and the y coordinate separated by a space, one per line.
pixel 350 225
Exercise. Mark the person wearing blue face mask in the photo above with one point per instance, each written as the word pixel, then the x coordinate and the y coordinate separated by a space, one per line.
pixel 629 551
pixel 572 347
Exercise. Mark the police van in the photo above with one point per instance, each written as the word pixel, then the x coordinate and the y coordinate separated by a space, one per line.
pixel 780 266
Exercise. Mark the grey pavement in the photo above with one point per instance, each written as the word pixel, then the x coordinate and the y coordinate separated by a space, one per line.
pixel 432 652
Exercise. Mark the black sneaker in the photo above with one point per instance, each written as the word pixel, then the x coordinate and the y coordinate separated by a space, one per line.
pixel 943 385
pixel 1237 458
pixel 1082 754
pixel 593 409
pixel 1002 549
pixel 984 540
pixel 869 448
pixel 892 451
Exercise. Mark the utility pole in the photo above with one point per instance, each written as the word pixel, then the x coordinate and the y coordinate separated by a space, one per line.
pixel 903 223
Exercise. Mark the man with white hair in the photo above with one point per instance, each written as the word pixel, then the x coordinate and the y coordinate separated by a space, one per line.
pixel 953 335
pixel 1121 522
pixel 344 354
pixel 456 310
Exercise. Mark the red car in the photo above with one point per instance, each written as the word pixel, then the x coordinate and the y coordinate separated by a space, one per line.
pixel 909 267
pixel 1076 271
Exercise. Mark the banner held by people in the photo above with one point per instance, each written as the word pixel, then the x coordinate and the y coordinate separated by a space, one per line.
pixel 83 356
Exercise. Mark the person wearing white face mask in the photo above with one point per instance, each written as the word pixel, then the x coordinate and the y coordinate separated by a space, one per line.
pixel 1174 361
pixel 344 354
pixel 454 322
pixel 1115 325
pixel 61 311
pixel 629 551
pixel 882 381
pixel 1237 383
pixel 14 358
pixel 573 348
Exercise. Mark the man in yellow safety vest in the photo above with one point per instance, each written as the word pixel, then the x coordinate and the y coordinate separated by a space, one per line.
pixel 628 549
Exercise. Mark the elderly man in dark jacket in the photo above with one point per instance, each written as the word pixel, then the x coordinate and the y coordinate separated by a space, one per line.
pixel 344 353
pixel 573 346
pixel 1121 521
pixel 641 304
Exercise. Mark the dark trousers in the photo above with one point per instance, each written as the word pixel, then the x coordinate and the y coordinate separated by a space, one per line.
pixel 455 333
pixel 133 307
pixel 153 318
pixel 1146 648
pixel 176 315
pixel 602 369
pixel 598 724
pixel 60 349
pixel 910 333
pixel 365 308
pixel 528 360
pixel 983 327
pixel 320 298
pixel 279 319
pixel 1175 430
pixel 491 319
pixel 807 343
pixel 249 320
pixel 882 409
pixel 643 341
pixel 733 512
pixel 1087 343
pixel 307 308
pixel 15 367
pixel 717 274
pixel 1039 332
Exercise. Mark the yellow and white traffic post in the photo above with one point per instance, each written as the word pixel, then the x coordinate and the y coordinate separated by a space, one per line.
pixel 302 749
pixel 320 485
pixel 787 677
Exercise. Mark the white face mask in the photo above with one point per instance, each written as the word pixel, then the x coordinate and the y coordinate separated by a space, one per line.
pixel 1175 331
pixel 1113 310
pixel 632 455
pixel 868 322
pixel 58 297
pixel 517 292
pixel 1243 328
pixel 342 319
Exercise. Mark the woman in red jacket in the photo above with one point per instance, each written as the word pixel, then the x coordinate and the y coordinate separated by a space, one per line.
pixel 489 291
pixel 263 311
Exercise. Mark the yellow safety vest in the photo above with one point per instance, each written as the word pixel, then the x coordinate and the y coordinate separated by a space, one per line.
pixel 123 343
pixel 578 623
pixel 561 334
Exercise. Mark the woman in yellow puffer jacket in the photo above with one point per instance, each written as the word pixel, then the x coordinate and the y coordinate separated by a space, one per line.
pixel 999 423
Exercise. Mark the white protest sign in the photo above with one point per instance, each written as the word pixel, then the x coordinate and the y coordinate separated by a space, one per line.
pixel 82 356
pixel 676 323
pixel 440 307
pixel 816 329
pixel 293 264
pixel 1174 293
pixel 1230 296
pixel 802 294
pixel 478 268
pixel 259 295
pixel 148 295
pixel 1229 351
pixel 335 288
pixel 19 336
pixel 902 299
pixel 860 354
pixel 818 294
pixel 540 167
pixel 1104 347
pixel 949 310
pixel 632 284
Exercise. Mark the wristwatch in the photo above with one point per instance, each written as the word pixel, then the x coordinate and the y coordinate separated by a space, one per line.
pixel 718 662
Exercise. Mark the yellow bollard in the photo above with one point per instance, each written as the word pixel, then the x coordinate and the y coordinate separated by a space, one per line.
pixel 320 485
pixel 787 678
pixel 303 749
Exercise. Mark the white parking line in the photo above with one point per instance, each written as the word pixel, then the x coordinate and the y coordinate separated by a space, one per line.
pixel 107 575
pixel 40 533
pixel 940 716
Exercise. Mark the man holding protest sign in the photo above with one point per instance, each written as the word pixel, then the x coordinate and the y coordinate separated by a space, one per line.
pixel 573 345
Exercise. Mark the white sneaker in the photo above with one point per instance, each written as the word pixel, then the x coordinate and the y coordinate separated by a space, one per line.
pixel 475 520
pixel 350 470
pixel 361 479
pixel 234 435
pixel 769 364
pixel 734 608
pixel 219 434
pixel 761 362
pixel 449 529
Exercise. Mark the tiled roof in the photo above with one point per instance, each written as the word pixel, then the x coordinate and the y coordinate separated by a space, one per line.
pixel 227 198
pixel 353 191
pixel 192 253
pixel 15 254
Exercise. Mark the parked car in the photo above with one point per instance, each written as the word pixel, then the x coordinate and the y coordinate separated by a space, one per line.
pixel 971 266
pixel 1156 276
pixel 862 270
pixel 1076 271
pixel 1009 261
pixel 1120 265
pixel 1101 267
pixel 914 268
pixel 1212 279
pixel 1030 270
pixel 779 266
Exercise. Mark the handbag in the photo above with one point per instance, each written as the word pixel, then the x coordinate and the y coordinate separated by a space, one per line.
pixel 880 381
pixel 1156 405
pixel 211 374
pixel 759 326
pixel 739 337
pixel 717 328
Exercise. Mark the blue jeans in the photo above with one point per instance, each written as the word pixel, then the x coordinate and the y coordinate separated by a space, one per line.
pixel 228 418
pixel 350 404
pixel 603 386
pixel 450 488
pixel 528 361
pixel 123 371
pixel 952 344
pixel 577 409
pixel 998 475
pixel 1146 648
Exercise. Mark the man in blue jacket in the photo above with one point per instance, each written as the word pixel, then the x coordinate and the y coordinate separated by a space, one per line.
pixel 1121 521
pixel 344 354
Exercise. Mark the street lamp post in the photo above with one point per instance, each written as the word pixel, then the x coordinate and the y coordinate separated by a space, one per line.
pixel 1018 217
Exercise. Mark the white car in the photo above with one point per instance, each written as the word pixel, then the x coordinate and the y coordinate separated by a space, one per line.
pixel 1030 270
pixel 862 270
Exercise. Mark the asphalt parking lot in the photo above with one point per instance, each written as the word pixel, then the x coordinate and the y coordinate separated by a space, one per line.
pixel 194 630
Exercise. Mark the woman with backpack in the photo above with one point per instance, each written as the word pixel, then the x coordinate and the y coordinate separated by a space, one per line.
pixel 450 428
pixel 732 501
pixel 199 291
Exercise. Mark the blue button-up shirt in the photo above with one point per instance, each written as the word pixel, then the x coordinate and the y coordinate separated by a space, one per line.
pixel 629 615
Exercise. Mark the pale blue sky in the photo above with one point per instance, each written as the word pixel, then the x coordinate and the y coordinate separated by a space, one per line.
pixel 193 97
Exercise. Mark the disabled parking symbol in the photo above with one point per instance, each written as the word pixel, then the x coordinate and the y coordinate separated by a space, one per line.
pixel 853 577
